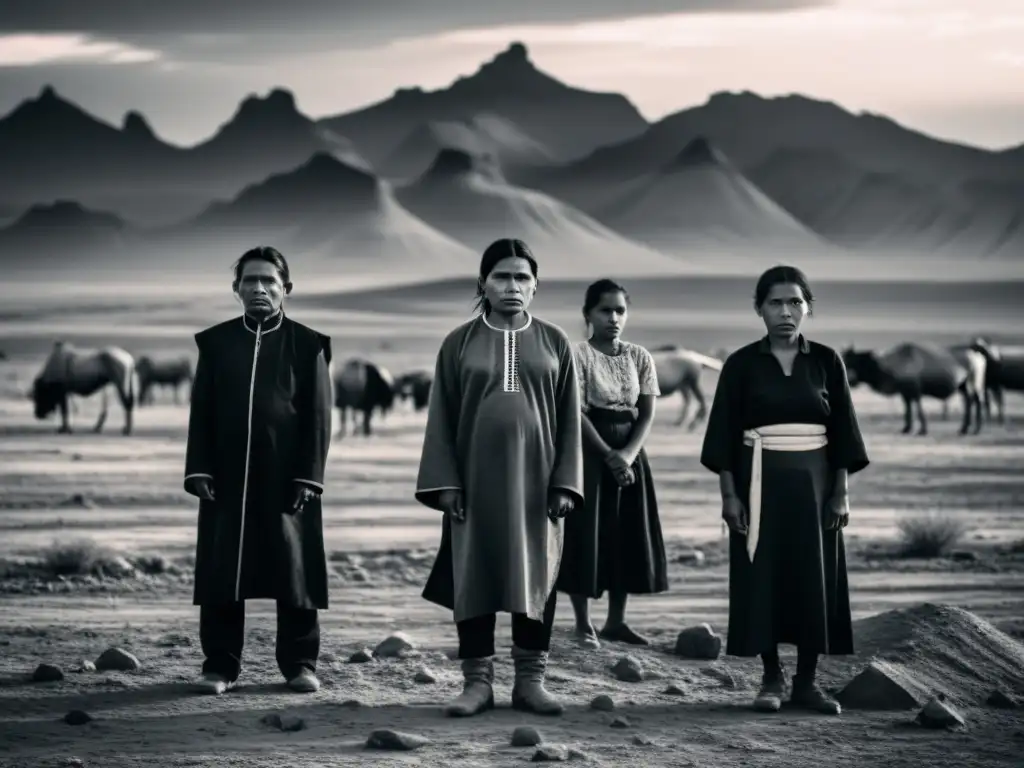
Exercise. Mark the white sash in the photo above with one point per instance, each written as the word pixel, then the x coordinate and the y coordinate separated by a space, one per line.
pixel 776 437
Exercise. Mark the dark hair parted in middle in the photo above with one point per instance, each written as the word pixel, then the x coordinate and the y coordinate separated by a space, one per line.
pixel 782 275
pixel 599 288
pixel 506 248
pixel 264 253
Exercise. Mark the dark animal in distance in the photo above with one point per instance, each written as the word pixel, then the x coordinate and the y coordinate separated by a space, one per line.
pixel 362 386
pixel 913 371
pixel 69 371
pixel 172 373
pixel 679 370
pixel 415 385
pixel 1004 371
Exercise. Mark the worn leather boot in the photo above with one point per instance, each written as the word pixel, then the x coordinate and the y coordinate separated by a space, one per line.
pixel 477 691
pixel 528 693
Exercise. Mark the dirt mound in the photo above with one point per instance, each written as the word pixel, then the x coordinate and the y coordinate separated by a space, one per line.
pixel 947 649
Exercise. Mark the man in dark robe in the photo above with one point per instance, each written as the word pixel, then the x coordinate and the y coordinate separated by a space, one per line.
pixel 258 436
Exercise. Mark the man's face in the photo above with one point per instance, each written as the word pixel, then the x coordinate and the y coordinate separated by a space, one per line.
pixel 261 289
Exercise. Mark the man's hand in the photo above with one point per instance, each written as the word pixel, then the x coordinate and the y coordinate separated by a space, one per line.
pixel 451 503
pixel 201 487
pixel 303 495
pixel 560 503
pixel 837 514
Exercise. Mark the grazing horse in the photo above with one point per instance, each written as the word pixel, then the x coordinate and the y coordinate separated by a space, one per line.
pixel 69 371
pixel 415 385
pixel 913 371
pixel 362 386
pixel 679 370
pixel 173 373
pixel 1003 371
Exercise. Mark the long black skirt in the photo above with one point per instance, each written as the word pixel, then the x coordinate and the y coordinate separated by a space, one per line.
pixel 614 543
pixel 796 590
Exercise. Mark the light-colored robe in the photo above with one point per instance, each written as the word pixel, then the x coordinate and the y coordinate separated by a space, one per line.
pixel 503 426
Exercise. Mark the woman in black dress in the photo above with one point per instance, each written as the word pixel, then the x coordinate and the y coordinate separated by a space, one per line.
pixel 615 543
pixel 783 438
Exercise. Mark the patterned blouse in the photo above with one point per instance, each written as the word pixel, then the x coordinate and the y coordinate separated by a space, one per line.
pixel 614 382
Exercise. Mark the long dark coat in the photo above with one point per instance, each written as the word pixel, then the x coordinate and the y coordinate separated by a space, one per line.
pixel 260 422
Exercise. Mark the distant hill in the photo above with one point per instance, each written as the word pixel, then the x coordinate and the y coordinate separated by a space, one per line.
pixel 700 198
pixel 481 134
pixel 51 148
pixel 329 211
pixel 59 233
pixel 467 198
pixel 568 121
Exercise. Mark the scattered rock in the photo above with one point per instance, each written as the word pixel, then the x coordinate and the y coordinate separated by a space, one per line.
pixel 351 704
pixel 86 666
pixel 77 717
pixel 577 754
pixel 939 713
pixel 628 670
pixel 117 659
pixel 603 703
pixel 621 722
pixel 361 656
pixel 74 762
pixel 881 686
pixel 642 741
pixel 692 557
pixel 174 640
pixel 674 689
pixel 1002 700
pixel 424 675
pixel 393 645
pixel 395 741
pixel 550 753
pixel 117 567
pixel 328 657
pixel 722 675
pixel 526 736
pixel 47 673
pixel 283 722
pixel 699 642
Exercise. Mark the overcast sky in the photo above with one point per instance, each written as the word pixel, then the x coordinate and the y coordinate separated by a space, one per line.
pixel 952 68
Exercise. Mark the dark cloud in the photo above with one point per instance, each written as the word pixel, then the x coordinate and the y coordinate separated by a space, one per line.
pixel 341 21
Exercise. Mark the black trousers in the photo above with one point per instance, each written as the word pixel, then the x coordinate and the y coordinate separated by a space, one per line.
pixel 222 635
pixel 476 635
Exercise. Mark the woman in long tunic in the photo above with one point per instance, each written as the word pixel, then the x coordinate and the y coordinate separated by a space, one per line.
pixel 783 438
pixel 502 458
pixel 615 543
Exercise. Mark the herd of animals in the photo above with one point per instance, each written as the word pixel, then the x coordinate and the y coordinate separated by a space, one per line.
pixel 979 371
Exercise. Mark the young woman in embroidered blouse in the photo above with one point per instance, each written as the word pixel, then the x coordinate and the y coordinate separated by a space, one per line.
pixel 503 459
pixel 615 543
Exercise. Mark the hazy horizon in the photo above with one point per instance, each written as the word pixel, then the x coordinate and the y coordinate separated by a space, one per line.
pixel 951 69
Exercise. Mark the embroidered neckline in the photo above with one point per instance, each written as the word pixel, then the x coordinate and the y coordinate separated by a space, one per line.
pixel 280 319
pixel 529 320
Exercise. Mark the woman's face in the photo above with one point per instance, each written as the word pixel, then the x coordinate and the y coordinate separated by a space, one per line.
pixel 608 318
pixel 784 310
pixel 510 287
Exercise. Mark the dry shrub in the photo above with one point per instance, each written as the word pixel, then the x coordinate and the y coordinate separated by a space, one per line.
pixel 82 557
pixel 929 535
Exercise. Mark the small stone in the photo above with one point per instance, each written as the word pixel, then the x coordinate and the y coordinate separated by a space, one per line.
pixel 47 673
pixel 621 722
pixel 74 762
pixel 393 645
pixel 699 642
pixel 577 754
pixel 881 686
pixel 691 557
pixel 642 741
pixel 174 640
pixel 86 666
pixel 117 659
pixel 395 741
pixel 628 670
pixel 283 722
pixel 328 657
pixel 938 713
pixel 550 753
pixel 425 676
pixel 1002 700
pixel 361 656
pixel 526 736
pixel 351 704
pixel 674 689
pixel 723 676
pixel 77 717
pixel 603 703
